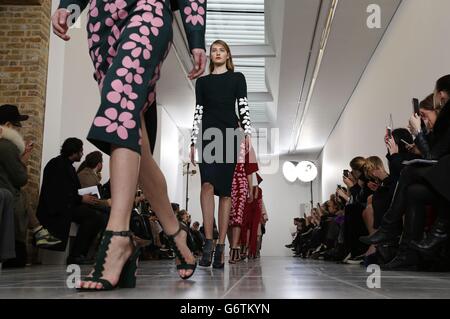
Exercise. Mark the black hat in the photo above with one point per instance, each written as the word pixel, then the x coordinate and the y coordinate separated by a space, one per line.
pixel 10 113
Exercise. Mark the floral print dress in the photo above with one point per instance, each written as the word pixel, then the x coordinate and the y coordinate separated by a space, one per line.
pixel 128 42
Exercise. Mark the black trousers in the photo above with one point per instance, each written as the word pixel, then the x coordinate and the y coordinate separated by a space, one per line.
pixel 354 227
pixel 90 223
pixel 392 219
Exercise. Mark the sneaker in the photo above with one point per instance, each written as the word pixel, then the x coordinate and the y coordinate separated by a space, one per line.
pixel 355 260
pixel 344 261
pixel 43 239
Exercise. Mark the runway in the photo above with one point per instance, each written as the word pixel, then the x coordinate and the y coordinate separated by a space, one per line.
pixel 265 278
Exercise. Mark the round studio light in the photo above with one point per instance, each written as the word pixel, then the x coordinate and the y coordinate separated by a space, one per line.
pixel 290 171
pixel 306 171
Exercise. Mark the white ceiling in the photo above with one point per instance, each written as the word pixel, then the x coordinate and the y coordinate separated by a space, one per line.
pixel 293 34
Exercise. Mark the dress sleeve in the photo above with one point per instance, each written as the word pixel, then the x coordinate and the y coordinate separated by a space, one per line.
pixel 243 109
pixel 63 4
pixel 193 14
pixel 198 115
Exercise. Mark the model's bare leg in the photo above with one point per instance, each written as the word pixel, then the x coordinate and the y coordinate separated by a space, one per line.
pixel 224 217
pixel 124 167
pixel 207 204
pixel 154 186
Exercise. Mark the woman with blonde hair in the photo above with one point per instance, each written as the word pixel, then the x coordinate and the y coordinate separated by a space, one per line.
pixel 219 142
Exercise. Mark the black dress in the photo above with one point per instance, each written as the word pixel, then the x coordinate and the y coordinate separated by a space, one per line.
pixel 221 138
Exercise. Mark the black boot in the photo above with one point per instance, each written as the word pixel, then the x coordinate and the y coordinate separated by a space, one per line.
pixel 406 259
pixel 390 227
pixel 207 254
pixel 437 236
pixel 380 237
pixel 218 256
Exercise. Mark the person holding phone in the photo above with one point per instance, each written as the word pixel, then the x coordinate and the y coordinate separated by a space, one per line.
pixel 413 192
pixel 15 153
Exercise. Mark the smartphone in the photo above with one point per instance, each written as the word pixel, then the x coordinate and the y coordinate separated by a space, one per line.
pixel 346 173
pixel 404 142
pixel 389 132
pixel 416 108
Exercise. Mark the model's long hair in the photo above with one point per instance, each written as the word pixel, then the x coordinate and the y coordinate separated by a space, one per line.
pixel 230 64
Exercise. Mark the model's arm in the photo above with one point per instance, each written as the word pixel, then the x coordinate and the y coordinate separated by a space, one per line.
pixel 244 110
pixel 193 14
pixel 198 113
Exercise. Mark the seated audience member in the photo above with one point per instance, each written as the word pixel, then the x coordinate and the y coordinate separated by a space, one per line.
pixel 199 240
pixel 89 172
pixel 14 157
pixel 7 238
pixel 60 205
pixel 420 186
pixel 354 225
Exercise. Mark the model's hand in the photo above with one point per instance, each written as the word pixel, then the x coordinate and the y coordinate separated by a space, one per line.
pixel 59 23
pixel 192 155
pixel 250 197
pixel 199 63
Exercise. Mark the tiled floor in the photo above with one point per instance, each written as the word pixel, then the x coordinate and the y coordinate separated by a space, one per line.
pixel 269 277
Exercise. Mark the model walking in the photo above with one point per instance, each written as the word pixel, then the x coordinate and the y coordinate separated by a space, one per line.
pixel 217 94
pixel 128 41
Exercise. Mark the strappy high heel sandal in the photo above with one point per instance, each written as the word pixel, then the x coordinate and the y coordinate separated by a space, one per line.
pixel 235 255
pixel 218 256
pixel 244 253
pixel 207 254
pixel 190 243
pixel 127 277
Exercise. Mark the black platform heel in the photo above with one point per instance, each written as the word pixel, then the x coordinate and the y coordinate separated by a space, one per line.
pixel 207 254
pixel 127 277
pixel 190 243
pixel 218 256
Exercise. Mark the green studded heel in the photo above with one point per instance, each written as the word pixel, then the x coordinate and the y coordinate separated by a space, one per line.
pixel 127 277
pixel 190 243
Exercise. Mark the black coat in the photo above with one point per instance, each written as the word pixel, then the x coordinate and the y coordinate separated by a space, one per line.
pixel 59 195
pixel 438 147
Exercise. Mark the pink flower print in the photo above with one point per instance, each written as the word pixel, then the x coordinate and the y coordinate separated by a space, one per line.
pixel 148 5
pixel 195 13
pixel 149 18
pixel 140 138
pixel 136 50
pixel 93 10
pixel 112 40
pixel 94 37
pixel 123 94
pixel 116 123
pixel 117 11
pixel 128 65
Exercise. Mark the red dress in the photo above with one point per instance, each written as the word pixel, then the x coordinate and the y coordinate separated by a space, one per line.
pixel 239 188
pixel 252 219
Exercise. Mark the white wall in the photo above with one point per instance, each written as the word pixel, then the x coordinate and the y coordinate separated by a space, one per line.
pixel 413 54
pixel 169 156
